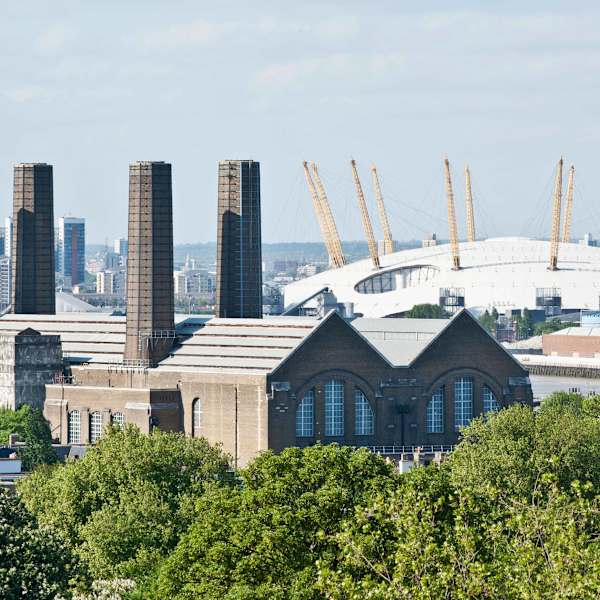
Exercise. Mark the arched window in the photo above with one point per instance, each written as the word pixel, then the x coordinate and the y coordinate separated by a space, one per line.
pixel 118 420
pixel 305 415
pixel 435 412
pixel 95 427
pixel 334 408
pixel 196 417
pixel 490 404
pixel 363 414
pixel 463 402
pixel 74 427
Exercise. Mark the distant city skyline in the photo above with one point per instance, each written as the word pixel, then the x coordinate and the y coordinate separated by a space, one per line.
pixel 507 88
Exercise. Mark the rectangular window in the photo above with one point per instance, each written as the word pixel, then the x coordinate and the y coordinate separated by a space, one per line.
pixel 363 414
pixel 435 412
pixel 305 415
pixel 334 408
pixel 463 402
pixel 74 428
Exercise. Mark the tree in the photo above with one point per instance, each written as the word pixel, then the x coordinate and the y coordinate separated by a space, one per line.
pixel 426 311
pixel 488 322
pixel 513 513
pixel 553 325
pixel 263 539
pixel 33 429
pixel 34 561
pixel 125 503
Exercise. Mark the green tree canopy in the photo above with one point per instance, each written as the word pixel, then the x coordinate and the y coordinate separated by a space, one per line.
pixel 124 504
pixel 553 325
pixel 33 429
pixel 263 539
pixel 34 561
pixel 426 311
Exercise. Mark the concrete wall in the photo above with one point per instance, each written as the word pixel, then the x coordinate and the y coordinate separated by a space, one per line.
pixel 27 363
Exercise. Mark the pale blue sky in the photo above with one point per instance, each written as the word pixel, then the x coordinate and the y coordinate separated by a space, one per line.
pixel 90 86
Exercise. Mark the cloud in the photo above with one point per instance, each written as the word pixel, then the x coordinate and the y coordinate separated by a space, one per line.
pixel 53 39
pixel 196 33
pixel 26 94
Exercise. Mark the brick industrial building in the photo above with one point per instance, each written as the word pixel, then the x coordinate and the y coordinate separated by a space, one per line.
pixel 250 383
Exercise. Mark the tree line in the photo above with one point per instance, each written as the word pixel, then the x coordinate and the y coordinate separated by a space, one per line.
pixel 514 512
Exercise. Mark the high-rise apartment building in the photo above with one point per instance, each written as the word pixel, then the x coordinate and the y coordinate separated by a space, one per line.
pixel 150 304
pixel 32 252
pixel 71 249
pixel 239 263
pixel 5 282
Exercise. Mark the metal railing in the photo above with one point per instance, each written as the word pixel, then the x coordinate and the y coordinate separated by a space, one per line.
pixel 392 450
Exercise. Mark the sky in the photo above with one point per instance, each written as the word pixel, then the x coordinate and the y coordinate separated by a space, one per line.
pixel 507 87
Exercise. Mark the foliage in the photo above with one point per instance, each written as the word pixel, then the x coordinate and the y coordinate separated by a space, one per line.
pixel 488 321
pixel 263 539
pixel 124 504
pixel 426 311
pixel 34 562
pixel 524 325
pixel 553 325
pixel 33 429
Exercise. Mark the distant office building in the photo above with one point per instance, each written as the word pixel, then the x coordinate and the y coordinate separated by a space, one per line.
pixel 8 236
pixel 32 252
pixel 239 274
pixel 111 261
pixel 110 282
pixel 429 241
pixel 150 328
pixel 5 282
pixel 588 240
pixel 180 283
pixel 120 247
pixel 71 249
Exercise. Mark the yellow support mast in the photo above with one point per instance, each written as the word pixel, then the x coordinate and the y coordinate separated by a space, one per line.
pixel 364 213
pixel 318 208
pixel 388 242
pixel 469 201
pixel 336 243
pixel 569 208
pixel 554 236
pixel 451 217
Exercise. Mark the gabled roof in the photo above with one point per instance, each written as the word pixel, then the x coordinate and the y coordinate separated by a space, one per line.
pixel 255 346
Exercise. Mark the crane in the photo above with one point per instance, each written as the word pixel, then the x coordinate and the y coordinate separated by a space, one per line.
pixel 318 208
pixel 569 208
pixel 388 242
pixel 451 217
pixel 364 213
pixel 336 244
pixel 556 217
pixel 469 200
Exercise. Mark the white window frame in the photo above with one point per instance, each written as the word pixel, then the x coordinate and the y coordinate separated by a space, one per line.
pixel 435 411
pixel 118 419
pixel 334 408
pixel 490 403
pixel 463 402
pixel 305 415
pixel 74 427
pixel 196 417
pixel 364 418
pixel 95 426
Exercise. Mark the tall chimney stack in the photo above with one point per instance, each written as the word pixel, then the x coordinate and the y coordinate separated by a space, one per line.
pixel 239 250
pixel 150 307
pixel 32 252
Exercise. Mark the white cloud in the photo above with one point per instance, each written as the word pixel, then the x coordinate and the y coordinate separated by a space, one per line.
pixel 189 34
pixel 53 39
